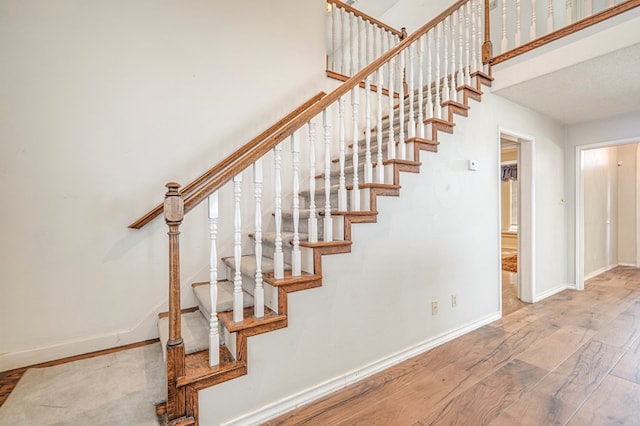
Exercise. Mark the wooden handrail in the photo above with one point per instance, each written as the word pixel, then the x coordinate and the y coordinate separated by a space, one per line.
pixel 565 31
pixel 229 160
pixel 366 17
pixel 281 134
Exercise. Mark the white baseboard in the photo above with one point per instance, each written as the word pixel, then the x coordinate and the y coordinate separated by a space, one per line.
pixel 145 329
pixel 551 292
pixel 304 397
pixel 601 270
pixel 625 264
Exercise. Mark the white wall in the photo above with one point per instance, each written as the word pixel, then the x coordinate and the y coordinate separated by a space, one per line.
pixel 609 131
pixel 412 14
pixel 102 103
pixel 600 171
pixel 375 302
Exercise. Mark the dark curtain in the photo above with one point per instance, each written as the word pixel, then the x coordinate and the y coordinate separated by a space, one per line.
pixel 510 172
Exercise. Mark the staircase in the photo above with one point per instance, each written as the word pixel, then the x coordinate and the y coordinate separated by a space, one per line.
pixel 409 95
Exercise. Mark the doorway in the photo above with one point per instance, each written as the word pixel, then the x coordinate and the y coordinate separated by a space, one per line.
pixel 509 214
pixel 516 223
pixel 608 201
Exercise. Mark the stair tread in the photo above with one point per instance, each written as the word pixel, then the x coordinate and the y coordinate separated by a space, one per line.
pixel 225 297
pixel 194 330
pixel 248 264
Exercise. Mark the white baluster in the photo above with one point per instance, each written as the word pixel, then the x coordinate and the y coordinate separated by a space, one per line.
pixel 359 65
pixel 343 39
pixel 588 8
pixel 391 145
pixel 355 192
pixel 467 62
pixel 479 36
pixel 368 167
pixel 401 133
pixel 550 16
pixel 328 224
pixel 452 85
pixel 518 36
pixel 460 63
pixel 342 186
pixel 238 314
pixel 504 44
pixel 475 37
pixel 313 217
pixel 334 40
pixel 296 258
pixel 437 107
pixel 278 256
pixel 351 43
pixel 258 294
pixel 429 107
pixel 368 33
pixel 568 16
pixel 379 166
pixel 532 31
pixel 411 90
pixel 420 87
pixel 445 80
pixel 214 336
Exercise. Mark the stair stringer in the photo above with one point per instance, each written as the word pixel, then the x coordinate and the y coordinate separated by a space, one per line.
pixel 231 367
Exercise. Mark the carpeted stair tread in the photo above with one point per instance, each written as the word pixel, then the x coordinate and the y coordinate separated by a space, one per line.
pixel 248 264
pixel 194 331
pixel 225 297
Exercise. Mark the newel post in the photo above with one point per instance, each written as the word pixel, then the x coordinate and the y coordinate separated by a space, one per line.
pixel 173 215
pixel 487 47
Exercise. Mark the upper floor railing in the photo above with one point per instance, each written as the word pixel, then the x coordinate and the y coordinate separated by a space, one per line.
pixel 355 39
pixel 523 25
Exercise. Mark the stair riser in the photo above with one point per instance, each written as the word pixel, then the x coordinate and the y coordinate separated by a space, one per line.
pixel 287 223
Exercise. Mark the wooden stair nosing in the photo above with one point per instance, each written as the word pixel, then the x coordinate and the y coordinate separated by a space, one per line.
pixel 270 321
pixel 422 144
pixel 201 375
pixel 289 279
pixel 400 162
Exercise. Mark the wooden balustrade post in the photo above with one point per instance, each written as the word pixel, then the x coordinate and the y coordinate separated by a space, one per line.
pixel 173 215
pixel 487 46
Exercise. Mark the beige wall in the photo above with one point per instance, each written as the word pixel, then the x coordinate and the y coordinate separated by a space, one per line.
pixel 627 203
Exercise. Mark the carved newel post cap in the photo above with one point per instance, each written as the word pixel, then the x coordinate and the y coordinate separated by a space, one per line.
pixel 403 34
pixel 173 203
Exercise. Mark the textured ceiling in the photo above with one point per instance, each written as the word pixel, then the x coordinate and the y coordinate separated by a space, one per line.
pixel 601 87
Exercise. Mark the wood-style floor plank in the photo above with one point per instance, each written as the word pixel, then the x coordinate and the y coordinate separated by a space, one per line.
pixel 571 358
pixel 551 351
pixel 561 392
pixel 628 367
pixel 615 402
pixel 483 402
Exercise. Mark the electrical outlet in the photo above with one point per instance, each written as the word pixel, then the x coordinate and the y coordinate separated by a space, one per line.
pixel 434 308
pixel 454 300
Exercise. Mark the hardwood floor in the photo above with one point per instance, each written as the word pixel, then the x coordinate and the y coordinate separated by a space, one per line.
pixel 573 358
